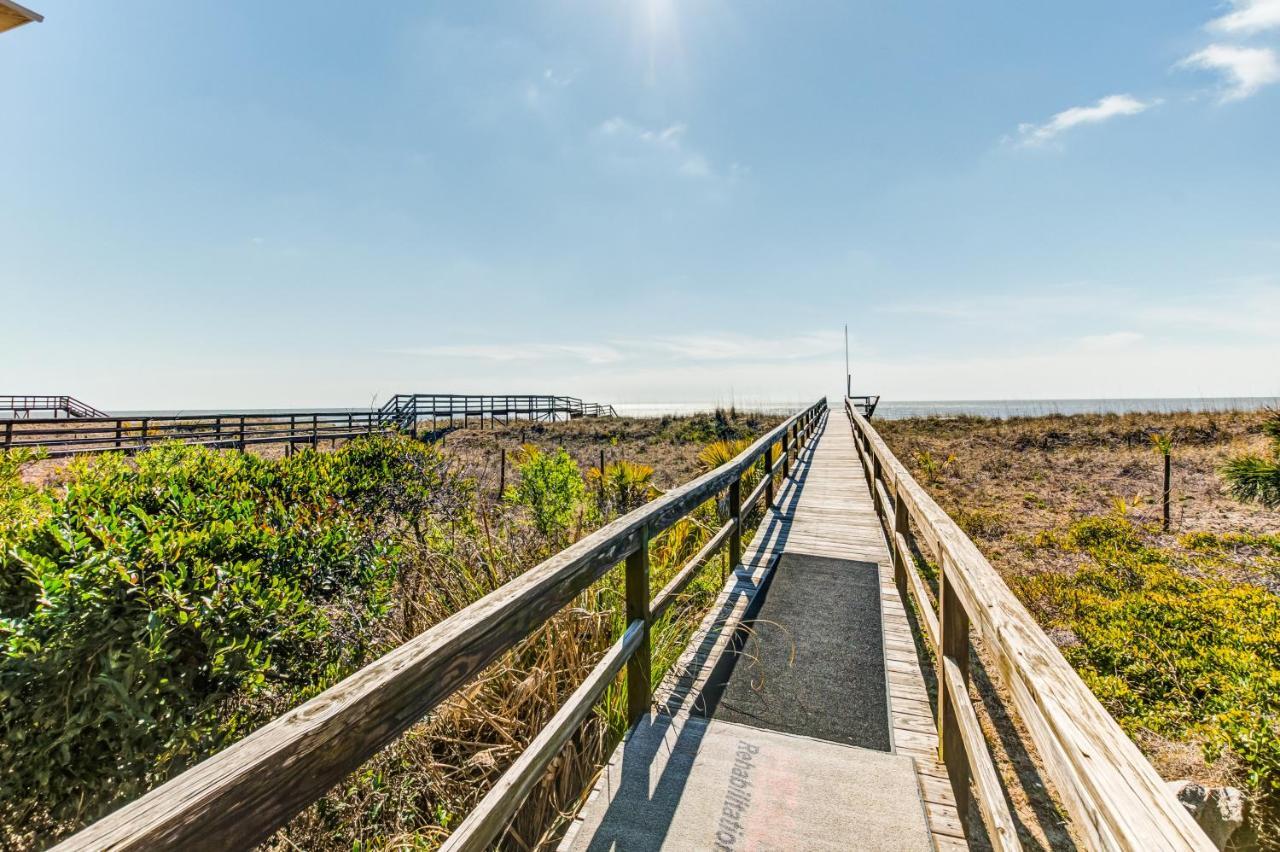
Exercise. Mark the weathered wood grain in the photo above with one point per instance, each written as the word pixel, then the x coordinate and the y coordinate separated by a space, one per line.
pixel 1113 795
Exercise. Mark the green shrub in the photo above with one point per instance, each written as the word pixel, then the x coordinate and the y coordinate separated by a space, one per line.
pixel 163 605
pixel 1183 653
pixel 550 487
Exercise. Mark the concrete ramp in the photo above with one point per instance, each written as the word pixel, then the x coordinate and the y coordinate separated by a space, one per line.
pixel 699 784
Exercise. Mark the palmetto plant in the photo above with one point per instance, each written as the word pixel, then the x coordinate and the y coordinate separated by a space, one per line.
pixel 623 485
pixel 1254 479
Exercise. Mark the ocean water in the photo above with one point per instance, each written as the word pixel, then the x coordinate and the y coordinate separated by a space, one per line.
pixel 891 409
pixel 888 409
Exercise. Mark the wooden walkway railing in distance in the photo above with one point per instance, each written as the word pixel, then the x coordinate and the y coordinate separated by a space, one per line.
pixel 131 434
pixel 87 430
pixel 240 796
pixel 1113 795
pixel 25 404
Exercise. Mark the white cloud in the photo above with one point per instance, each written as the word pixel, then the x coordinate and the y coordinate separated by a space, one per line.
pixel 590 353
pixel 1249 16
pixel 1105 109
pixel 667 142
pixel 1247 69
pixel 1110 342
pixel 737 347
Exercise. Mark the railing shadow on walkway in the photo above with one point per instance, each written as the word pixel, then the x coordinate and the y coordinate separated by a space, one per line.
pixel 680 713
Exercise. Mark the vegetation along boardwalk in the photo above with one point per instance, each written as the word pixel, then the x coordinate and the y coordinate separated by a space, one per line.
pixel 797 717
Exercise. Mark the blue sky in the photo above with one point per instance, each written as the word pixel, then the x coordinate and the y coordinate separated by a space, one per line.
pixel 251 204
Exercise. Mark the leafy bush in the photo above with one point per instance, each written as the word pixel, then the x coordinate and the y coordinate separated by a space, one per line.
pixel 1183 653
pixel 163 605
pixel 550 487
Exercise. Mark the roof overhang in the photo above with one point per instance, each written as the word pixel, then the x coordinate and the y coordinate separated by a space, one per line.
pixel 12 15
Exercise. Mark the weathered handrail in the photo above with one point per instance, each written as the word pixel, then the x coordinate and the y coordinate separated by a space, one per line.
pixel 1115 798
pixel 239 796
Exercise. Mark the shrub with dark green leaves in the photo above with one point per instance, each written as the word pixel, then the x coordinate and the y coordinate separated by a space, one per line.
pixel 164 605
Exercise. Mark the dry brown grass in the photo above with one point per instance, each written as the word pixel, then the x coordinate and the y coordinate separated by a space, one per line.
pixel 1012 480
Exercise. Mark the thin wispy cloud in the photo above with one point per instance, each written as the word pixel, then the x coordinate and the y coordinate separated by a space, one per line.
pixel 1110 342
pixel 735 347
pixel 712 346
pixel 1248 17
pixel 667 142
pixel 1245 69
pixel 1112 106
pixel 503 352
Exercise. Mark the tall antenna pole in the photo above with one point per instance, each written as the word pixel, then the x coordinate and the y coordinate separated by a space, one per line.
pixel 848 377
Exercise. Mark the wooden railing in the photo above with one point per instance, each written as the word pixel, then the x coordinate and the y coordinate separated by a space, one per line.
pixel 91 431
pixel 409 408
pixel 130 434
pixel 241 795
pixel 24 404
pixel 1113 795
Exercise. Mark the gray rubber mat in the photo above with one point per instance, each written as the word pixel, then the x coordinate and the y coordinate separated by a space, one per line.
pixel 810 659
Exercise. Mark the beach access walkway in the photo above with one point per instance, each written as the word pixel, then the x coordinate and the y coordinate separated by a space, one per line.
pixel 798 716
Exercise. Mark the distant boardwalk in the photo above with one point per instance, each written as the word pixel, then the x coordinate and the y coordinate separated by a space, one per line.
pixel 84 429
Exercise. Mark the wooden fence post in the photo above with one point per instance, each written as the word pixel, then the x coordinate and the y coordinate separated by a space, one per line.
pixel 640 666
pixel 502 471
pixel 240 443
pixel 953 644
pixel 735 517
pixel 8 434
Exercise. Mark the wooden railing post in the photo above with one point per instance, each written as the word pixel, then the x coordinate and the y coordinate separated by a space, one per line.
pixel 901 527
pixel 735 518
pixel 640 666
pixel 953 623
pixel 240 443
pixel 768 476
pixel 8 434
pixel 786 452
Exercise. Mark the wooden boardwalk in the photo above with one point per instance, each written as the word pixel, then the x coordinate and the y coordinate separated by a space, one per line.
pixel 718 757
pixel 824 509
